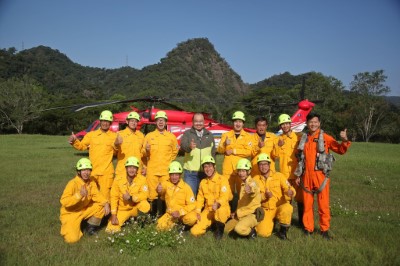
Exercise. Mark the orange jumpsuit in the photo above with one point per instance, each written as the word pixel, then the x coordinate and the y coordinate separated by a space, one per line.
pixel 214 189
pixel 126 209
pixel 312 179
pixel 277 206
pixel 101 155
pixel 131 146
pixel 75 208
pixel 268 146
pixel 241 147
pixel 164 149
pixel 179 198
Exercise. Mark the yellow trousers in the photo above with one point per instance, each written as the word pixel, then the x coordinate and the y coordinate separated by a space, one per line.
pixel 152 183
pixel 124 215
pixel 241 226
pixel 282 213
pixel 167 222
pixel 104 183
pixel 208 217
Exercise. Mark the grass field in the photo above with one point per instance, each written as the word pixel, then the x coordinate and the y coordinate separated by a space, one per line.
pixel 365 200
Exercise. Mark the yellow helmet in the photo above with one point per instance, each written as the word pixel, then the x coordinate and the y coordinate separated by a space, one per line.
pixel 238 115
pixel 208 159
pixel 106 115
pixel 175 168
pixel 161 114
pixel 243 164
pixel 132 161
pixel 284 118
pixel 83 163
pixel 133 115
pixel 263 157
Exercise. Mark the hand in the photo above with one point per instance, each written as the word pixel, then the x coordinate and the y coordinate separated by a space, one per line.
pixel 126 196
pixel 118 140
pixel 114 219
pixel 144 170
pixel 175 214
pixel 268 194
pixel 247 189
pixel 343 135
pixel 297 181
pixel 281 142
pixel 290 193
pixel 228 152
pixel 198 217
pixel 261 143
pixel 227 142
pixel 216 206
pixel 159 188
pixel 83 191
pixel 72 138
pixel 107 209
pixel 148 147
pixel 192 145
pixel 233 214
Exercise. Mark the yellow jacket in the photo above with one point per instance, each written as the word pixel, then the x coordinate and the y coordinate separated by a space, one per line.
pixel 101 150
pixel 178 198
pixel 71 199
pixel 248 203
pixel 164 148
pixel 268 147
pixel 214 189
pixel 287 154
pixel 278 185
pixel 241 147
pixel 138 191
pixel 131 146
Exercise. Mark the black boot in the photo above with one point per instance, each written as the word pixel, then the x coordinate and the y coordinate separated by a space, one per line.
pixel 326 235
pixel 219 230
pixel 233 234
pixel 282 233
pixel 91 229
pixel 253 234
pixel 300 212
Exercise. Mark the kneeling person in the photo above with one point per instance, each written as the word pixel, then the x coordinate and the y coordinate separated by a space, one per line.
pixel 128 196
pixel 179 198
pixel 213 195
pixel 273 186
pixel 81 200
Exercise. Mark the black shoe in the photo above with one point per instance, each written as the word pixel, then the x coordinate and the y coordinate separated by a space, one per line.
pixel 218 230
pixel 253 234
pixel 91 229
pixel 325 235
pixel 307 233
pixel 233 234
pixel 282 234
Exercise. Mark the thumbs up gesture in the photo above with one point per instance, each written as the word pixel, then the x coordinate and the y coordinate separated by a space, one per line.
pixel 148 147
pixel 281 142
pixel 247 189
pixel 227 141
pixel 192 144
pixel 343 135
pixel 126 196
pixel 72 138
pixel 118 140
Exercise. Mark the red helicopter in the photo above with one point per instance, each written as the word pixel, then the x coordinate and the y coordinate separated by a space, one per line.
pixel 179 120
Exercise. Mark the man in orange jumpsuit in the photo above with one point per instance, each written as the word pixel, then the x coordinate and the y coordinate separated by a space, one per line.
pixel 160 148
pixel 81 200
pixel 263 142
pixel 314 179
pixel 102 143
pixel 131 143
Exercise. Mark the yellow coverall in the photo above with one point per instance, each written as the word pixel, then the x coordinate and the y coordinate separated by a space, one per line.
pixel 245 218
pixel 214 189
pixel 131 146
pixel 75 208
pixel 277 206
pixel 101 155
pixel 241 146
pixel 164 149
pixel 268 147
pixel 178 198
pixel 126 209
pixel 287 159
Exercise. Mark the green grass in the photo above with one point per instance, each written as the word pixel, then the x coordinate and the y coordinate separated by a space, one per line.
pixel 365 201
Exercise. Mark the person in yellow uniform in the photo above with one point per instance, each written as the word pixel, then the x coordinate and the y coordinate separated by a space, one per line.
pixel 131 144
pixel 102 144
pixel 235 145
pixel 274 188
pixel 81 200
pixel 213 199
pixel 285 148
pixel 249 212
pixel 128 196
pixel 179 198
pixel 160 148
pixel 263 142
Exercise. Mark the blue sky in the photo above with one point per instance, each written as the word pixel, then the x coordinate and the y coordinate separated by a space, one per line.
pixel 258 38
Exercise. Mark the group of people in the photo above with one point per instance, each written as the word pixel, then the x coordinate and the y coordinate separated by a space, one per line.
pixel 262 174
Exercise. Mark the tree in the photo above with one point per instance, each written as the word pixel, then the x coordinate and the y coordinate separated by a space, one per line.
pixel 369 107
pixel 21 101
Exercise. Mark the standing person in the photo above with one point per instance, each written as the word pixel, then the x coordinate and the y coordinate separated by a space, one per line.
pixel 197 143
pixel 160 148
pixel 81 200
pixel 249 212
pixel 213 199
pixel 263 142
pixel 313 172
pixel 131 144
pixel 235 145
pixel 128 196
pixel 102 143
pixel 285 148
pixel 179 198
pixel 274 188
